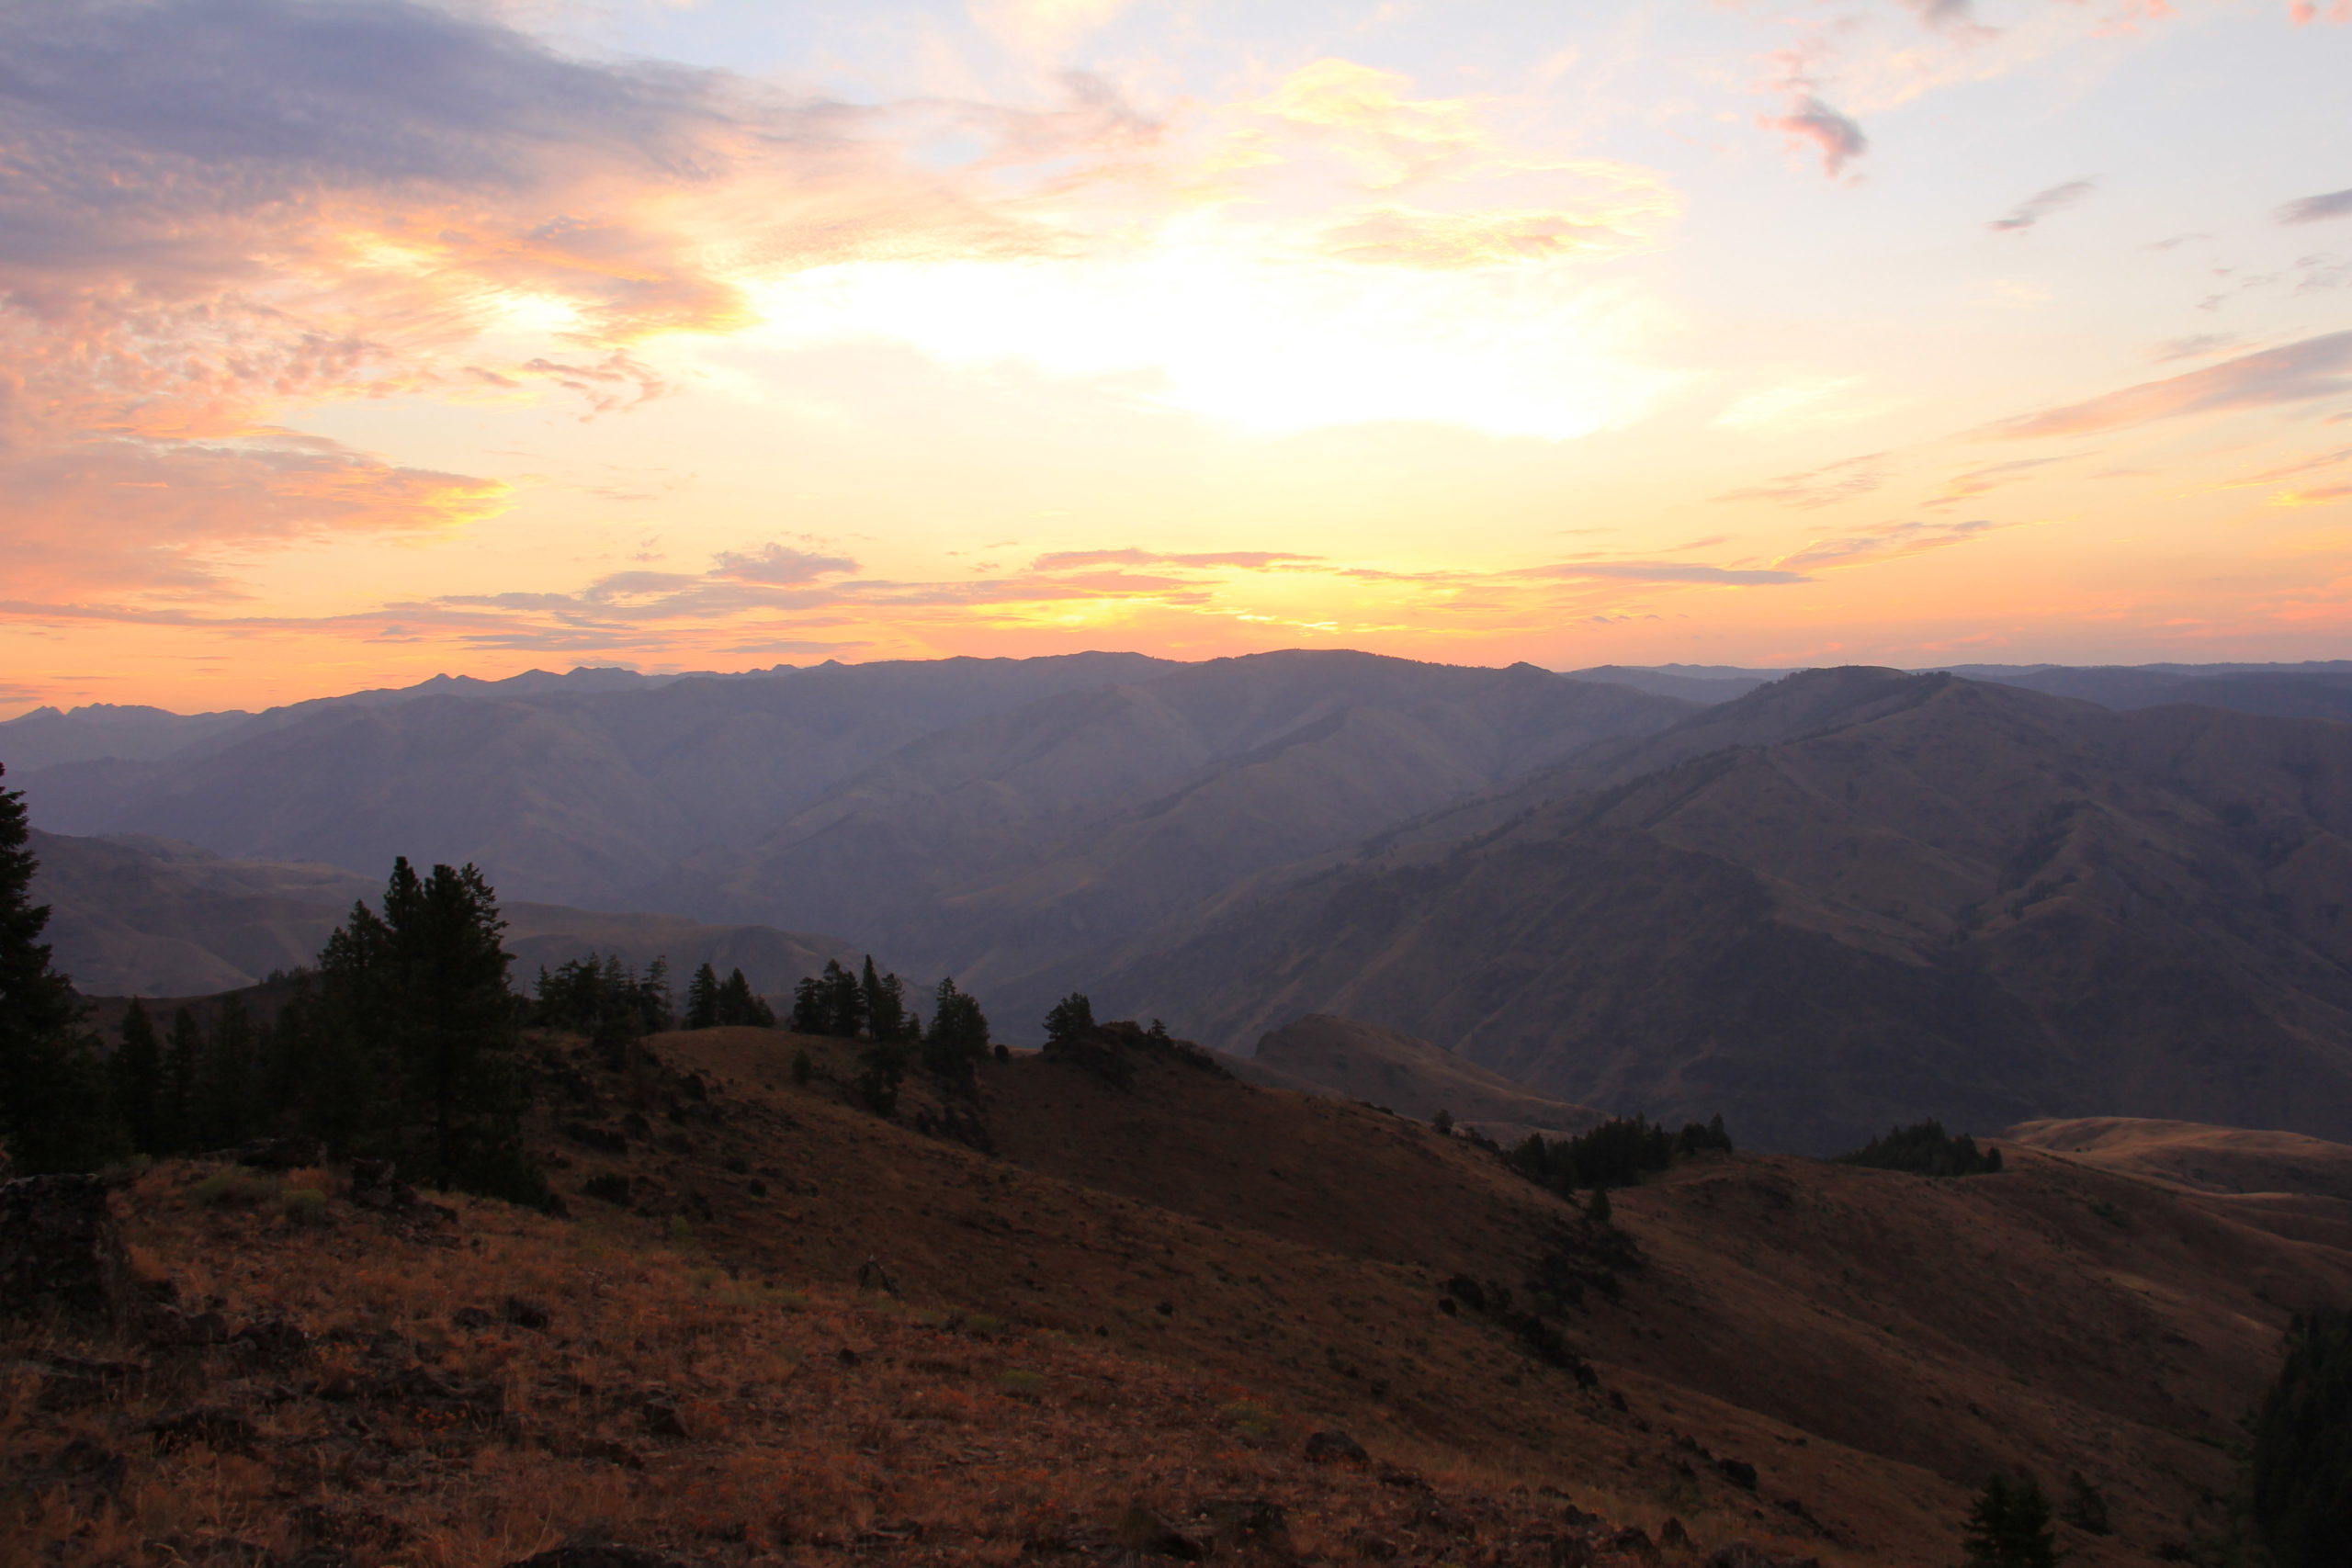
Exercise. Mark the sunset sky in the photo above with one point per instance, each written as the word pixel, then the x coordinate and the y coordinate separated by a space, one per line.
pixel 344 342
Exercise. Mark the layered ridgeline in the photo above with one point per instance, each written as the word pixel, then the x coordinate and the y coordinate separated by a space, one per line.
pixel 140 915
pixel 1847 899
pixel 987 819
pixel 1839 901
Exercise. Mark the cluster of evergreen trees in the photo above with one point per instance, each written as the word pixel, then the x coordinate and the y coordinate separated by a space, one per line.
pixel 714 1003
pixel 604 997
pixel 851 1007
pixel 2299 1478
pixel 55 1112
pixel 1925 1149
pixel 1618 1153
pixel 873 1007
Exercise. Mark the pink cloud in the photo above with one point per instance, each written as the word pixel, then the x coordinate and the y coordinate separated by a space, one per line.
pixel 2314 367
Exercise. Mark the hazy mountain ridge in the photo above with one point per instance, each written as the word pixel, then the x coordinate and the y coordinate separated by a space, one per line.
pixel 151 916
pixel 564 795
pixel 1019 844
pixel 1935 897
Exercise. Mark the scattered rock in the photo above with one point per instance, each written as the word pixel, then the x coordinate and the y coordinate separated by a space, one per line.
pixel 1239 1522
pixel 600 1557
pixel 610 1188
pixel 472 1319
pixel 375 1184
pixel 528 1314
pixel 847 1357
pixel 1570 1551
pixel 604 1140
pixel 1671 1533
pixel 612 1452
pixel 330 1524
pixel 1142 1531
pixel 1634 1541
pixel 1371 1543
pixel 283 1154
pixel 662 1417
pixel 60 1252
pixel 224 1431
pixel 274 1341
pixel 1401 1478
pixel 80 1463
pixel 1745 1554
pixel 1739 1471
pixel 173 1328
pixel 1335 1448
pixel 318 1557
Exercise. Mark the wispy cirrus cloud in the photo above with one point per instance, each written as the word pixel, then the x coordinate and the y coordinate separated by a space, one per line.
pixel 2317 208
pixel 1812 126
pixel 2322 495
pixel 2034 208
pixel 2296 372
pixel 1886 541
pixel 1968 486
pixel 1064 560
pixel 1661 572
pixel 1825 486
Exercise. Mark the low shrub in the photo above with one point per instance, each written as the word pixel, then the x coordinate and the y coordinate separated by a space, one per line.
pixel 234 1186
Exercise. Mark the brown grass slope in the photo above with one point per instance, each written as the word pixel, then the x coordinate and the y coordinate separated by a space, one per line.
pixel 1872 1343
pixel 345 1389
pixel 1946 898
pixel 1411 1077
pixel 1153 1291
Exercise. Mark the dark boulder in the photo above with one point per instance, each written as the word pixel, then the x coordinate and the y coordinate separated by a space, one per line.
pixel 60 1252
pixel 1144 1533
pixel 600 1557
pixel 375 1184
pixel 1335 1448
pixel 224 1431
pixel 1243 1522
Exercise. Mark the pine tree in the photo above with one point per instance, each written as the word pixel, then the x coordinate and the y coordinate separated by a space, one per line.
pixel 183 1076
pixel 958 1037
pixel 2299 1472
pixel 230 1083
pixel 885 1002
pixel 702 999
pixel 651 995
pixel 54 1105
pixel 844 1001
pixel 138 1073
pixel 812 1012
pixel 421 991
pixel 737 1004
pixel 2009 1525
pixel 1071 1018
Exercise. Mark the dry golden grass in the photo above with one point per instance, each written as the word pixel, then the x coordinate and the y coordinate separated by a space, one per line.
pixel 812 1425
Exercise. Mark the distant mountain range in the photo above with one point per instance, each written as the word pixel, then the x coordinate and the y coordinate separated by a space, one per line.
pixel 1849 897
pixel 133 916
pixel 1818 902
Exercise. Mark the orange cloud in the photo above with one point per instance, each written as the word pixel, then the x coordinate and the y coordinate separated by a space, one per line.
pixel 125 515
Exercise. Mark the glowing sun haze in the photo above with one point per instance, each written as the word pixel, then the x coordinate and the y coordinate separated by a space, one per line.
pixel 342 342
